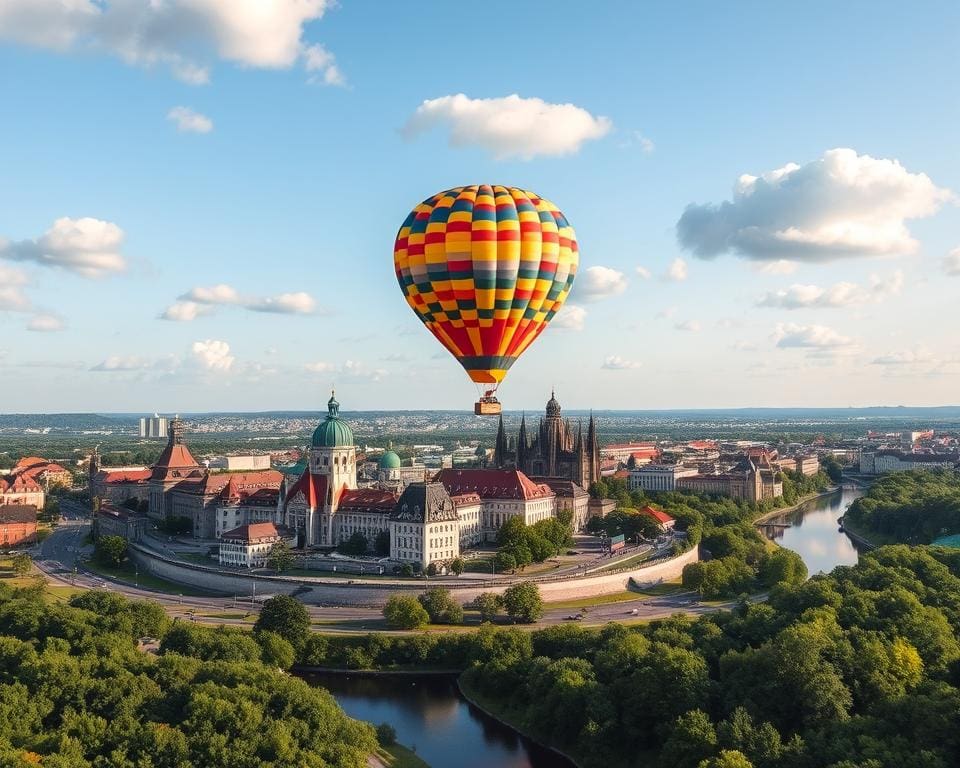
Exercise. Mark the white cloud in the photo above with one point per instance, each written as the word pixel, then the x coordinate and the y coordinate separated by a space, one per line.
pixel 841 205
pixel 184 311
pixel 318 60
pixel 666 313
pixel 298 303
pixel 693 326
pixel 637 139
pixel 123 363
pixel 778 267
pixel 87 247
pixel 794 336
pixel 643 273
pixel 12 297
pixel 678 271
pixel 595 283
pixel 188 121
pixel 570 317
pixel 46 323
pixel 617 363
pixel 203 300
pixel 835 296
pixel 509 127
pixel 910 357
pixel 212 355
pixel 951 262
pixel 182 35
pixel 351 369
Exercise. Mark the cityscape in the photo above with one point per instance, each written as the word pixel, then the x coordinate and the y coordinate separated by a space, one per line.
pixel 366 404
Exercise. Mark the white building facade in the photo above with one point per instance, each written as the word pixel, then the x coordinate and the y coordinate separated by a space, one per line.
pixel 659 477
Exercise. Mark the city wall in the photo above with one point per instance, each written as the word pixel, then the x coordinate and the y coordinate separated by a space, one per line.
pixel 374 593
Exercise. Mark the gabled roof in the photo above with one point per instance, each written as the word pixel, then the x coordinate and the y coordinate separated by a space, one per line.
pixel 425 503
pixel 661 517
pixel 366 499
pixel 18 513
pixel 253 532
pixel 313 487
pixel 121 477
pixel 492 484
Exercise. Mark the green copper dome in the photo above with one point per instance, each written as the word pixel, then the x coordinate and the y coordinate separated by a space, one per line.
pixel 389 460
pixel 332 432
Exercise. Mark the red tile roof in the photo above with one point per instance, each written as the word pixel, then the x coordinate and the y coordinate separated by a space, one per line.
pixel 313 487
pixel 18 513
pixel 492 484
pixel 124 476
pixel 366 499
pixel 465 498
pixel 174 459
pixel 661 517
pixel 253 532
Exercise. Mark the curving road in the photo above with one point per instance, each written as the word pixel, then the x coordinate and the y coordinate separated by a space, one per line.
pixel 60 558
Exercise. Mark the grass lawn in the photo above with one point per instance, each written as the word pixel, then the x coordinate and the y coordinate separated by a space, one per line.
pixel 586 602
pixel 877 539
pixel 126 574
pixel 398 756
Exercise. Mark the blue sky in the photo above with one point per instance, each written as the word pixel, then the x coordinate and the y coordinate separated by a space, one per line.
pixel 831 283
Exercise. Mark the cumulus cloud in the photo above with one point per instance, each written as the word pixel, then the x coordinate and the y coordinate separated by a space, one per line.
pixel 643 273
pixel 299 303
pixel 678 271
pixel 794 336
pixel 570 317
pixel 183 35
pixel 212 355
pixel 951 262
pixel 510 126
pixel 836 296
pixel 12 297
pixel 322 65
pixel 617 363
pixel 87 247
pixel 595 283
pixel 351 369
pixel 841 205
pixel 188 121
pixel 203 300
pixel 693 326
pixel 45 322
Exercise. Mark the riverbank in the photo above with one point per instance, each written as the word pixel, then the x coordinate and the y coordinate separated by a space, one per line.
pixel 491 710
pixel 857 534
pixel 793 507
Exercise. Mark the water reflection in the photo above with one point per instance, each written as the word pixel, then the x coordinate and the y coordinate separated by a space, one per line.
pixel 814 533
pixel 429 714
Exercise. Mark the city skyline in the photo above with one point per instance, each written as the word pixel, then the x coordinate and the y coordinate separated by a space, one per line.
pixel 765 202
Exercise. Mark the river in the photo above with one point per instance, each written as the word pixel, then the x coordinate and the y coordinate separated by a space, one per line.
pixel 429 714
pixel 814 533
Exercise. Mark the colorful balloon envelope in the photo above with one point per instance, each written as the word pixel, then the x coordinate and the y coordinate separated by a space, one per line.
pixel 486 268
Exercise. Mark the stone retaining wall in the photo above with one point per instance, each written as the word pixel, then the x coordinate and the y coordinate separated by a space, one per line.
pixel 374 593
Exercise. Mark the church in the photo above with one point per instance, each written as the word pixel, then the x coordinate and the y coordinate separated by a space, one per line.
pixel 554 451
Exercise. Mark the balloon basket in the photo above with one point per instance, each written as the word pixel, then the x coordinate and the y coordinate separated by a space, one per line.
pixel 487 406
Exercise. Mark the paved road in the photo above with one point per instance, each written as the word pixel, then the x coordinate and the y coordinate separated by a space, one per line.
pixel 60 559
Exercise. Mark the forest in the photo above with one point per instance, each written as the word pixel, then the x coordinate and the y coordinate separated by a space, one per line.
pixel 912 507
pixel 76 691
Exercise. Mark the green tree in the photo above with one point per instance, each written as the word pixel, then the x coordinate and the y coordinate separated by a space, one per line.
pixel 280 558
pixel 441 607
pixel 692 739
pixel 405 612
pixel 287 617
pixel 488 605
pixel 355 546
pixel 727 759
pixel 386 735
pixel 522 602
pixel 504 561
pixel 111 550
pixel 275 650
pixel 22 564
pixel 381 544
pixel 457 565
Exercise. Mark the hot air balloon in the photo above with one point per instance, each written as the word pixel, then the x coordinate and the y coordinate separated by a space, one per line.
pixel 486 268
